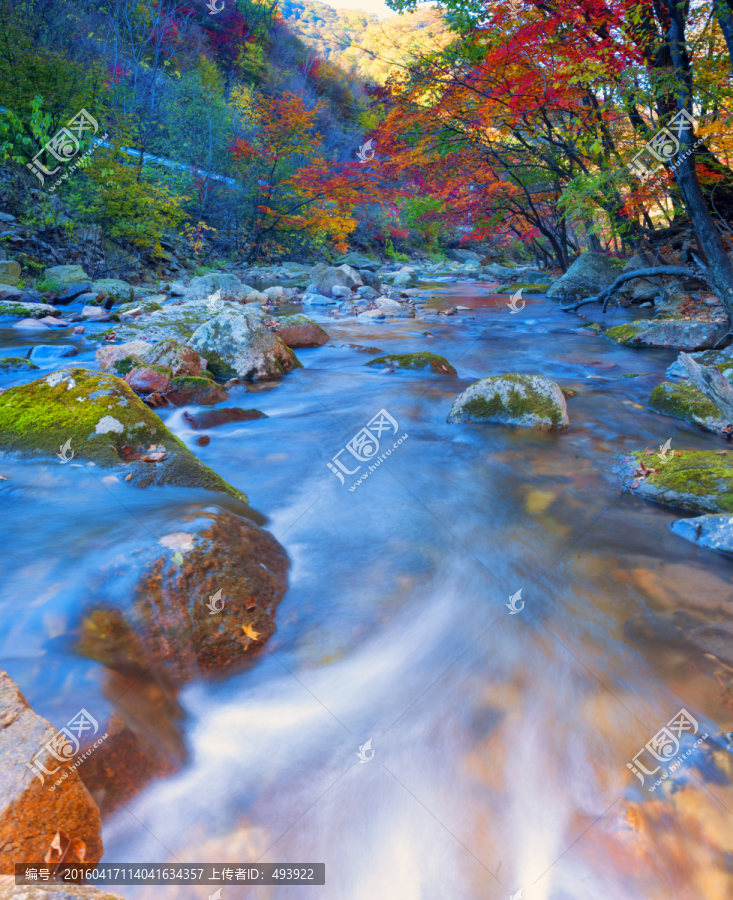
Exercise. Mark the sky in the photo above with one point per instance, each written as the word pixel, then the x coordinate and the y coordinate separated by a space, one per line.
pixel 375 7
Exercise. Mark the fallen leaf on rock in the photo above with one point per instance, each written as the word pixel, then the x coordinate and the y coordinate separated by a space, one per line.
pixel 718 452
pixel 154 457
pixel 179 540
pixel 250 632
pixel 250 603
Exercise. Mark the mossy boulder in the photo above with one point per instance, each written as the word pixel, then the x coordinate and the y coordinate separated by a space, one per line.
pixel 120 291
pixel 65 274
pixel 198 390
pixel 527 287
pixel 237 345
pixel 27 310
pixel 300 332
pixel 10 364
pixel 424 360
pixel 684 401
pixel 698 479
pixel 529 401
pixel 675 334
pixel 587 276
pixel 124 366
pixel 106 424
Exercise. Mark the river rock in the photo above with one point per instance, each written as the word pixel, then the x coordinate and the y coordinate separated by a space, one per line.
pixel 341 292
pixel 30 325
pixel 367 293
pixel 149 379
pixel 698 479
pixel 587 276
pixel 439 365
pixel 212 418
pixel 529 401
pixel 299 332
pixel 324 278
pixel 240 346
pixel 722 358
pixel 406 277
pixel 712 531
pixel 109 355
pixel 170 620
pixel 9 272
pixel 179 358
pixel 10 364
pixel 295 268
pixel 107 424
pixel 358 261
pixel 463 256
pixel 257 297
pixel 229 287
pixel 120 291
pixel 43 353
pixel 66 274
pixel 675 334
pixel 318 300
pixel 685 401
pixel 188 390
pixel 27 310
pixel 71 292
pixel 30 813
pixel 144 305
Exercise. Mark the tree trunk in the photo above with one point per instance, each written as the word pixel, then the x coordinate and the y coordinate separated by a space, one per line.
pixel 724 13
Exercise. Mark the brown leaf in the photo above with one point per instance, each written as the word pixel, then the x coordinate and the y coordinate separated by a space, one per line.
pixel 721 452
pixel 155 457
pixel 250 603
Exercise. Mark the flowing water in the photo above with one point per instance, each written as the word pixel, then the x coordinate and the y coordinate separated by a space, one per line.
pixel 500 740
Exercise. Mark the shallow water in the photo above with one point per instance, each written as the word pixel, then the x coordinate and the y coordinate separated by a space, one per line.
pixel 500 741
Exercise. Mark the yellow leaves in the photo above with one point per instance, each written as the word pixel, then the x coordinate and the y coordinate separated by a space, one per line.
pixel 250 632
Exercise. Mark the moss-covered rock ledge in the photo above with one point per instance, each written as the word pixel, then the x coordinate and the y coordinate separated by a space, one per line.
pixel 438 364
pixel 106 423
pixel 699 479
pixel 685 401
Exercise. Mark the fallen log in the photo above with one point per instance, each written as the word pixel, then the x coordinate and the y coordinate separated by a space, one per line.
pixel 607 293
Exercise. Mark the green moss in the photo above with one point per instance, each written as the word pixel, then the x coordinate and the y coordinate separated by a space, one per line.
pixel 593 326
pixel 697 479
pixel 26 312
pixel 99 414
pixel 622 334
pixel 190 380
pixel 423 360
pixel 145 305
pixel 683 401
pixel 633 375
pixel 16 364
pixel 127 364
pixel 219 367
pixel 514 404
pixel 527 288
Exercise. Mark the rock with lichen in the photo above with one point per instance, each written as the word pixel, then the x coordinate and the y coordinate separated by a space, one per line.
pixel 697 479
pixel 240 346
pixel 106 423
pixel 178 357
pixel 439 365
pixel 34 806
pixel 528 401
pixel 685 401
pixel 675 334
pixel 112 353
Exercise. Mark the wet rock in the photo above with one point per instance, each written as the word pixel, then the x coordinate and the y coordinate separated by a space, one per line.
pixel 53 322
pixel 341 292
pixel 9 294
pixel 176 289
pixel 30 813
pixel 406 277
pixel 367 292
pixel 9 272
pixel 506 273
pixel 93 312
pixel 378 313
pixel 698 479
pixel 318 300
pixel 188 390
pixel 179 358
pixel 257 297
pixel 71 292
pixel 685 401
pixel 237 345
pixel 721 358
pixel 48 352
pixel 108 356
pixel 30 325
pixel 529 401
pixel 275 293
pixel 587 276
pixel 203 440
pixel 212 418
pixel 358 261
pixel 120 291
pixel 295 268
pixel 10 364
pixel 147 305
pixel 107 424
pixel 324 278
pixel 463 256
pixel 228 286
pixel 27 310
pixel 149 380
pixel 79 329
pixel 439 365
pixel 675 334
pixel 300 331
pixel 170 621
pixel 66 274
pixel 712 531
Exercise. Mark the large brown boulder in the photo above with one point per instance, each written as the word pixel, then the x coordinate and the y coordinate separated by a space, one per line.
pixel 31 813
pixel 300 331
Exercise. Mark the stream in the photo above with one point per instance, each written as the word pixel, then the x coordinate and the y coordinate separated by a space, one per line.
pixel 500 741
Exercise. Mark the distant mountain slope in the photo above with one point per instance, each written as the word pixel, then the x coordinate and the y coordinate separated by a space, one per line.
pixel 369 47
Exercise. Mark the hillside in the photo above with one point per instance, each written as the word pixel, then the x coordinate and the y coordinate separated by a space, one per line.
pixel 327 31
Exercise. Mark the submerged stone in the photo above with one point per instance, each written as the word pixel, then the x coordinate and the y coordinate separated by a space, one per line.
pixel 15 364
pixel 424 360
pixel 675 334
pixel 529 401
